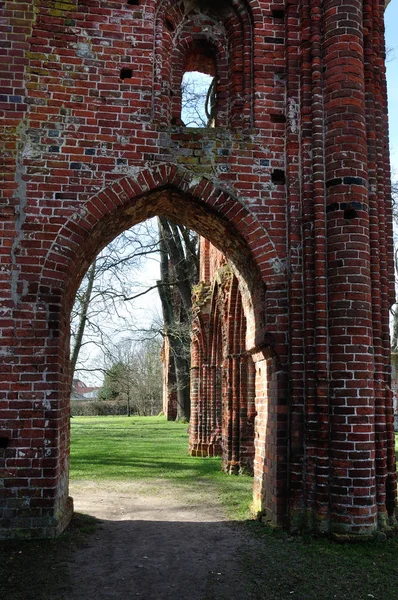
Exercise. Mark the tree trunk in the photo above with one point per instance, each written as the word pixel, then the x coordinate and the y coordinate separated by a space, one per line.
pixel 176 315
pixel 83 317
pixel 182 369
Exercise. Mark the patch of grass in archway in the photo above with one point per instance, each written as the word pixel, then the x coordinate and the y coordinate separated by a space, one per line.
pixel 150 448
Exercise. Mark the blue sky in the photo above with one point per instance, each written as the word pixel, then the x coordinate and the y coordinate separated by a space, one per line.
pixel 391 20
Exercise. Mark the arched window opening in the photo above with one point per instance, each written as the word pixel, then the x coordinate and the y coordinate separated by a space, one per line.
pixel 198 102
pixel 199 86
pixel 214 39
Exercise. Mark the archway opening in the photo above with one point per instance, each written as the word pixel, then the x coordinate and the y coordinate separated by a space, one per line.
pixel 195 282
pixel 244 324
pixel 198 297
pixel 199 86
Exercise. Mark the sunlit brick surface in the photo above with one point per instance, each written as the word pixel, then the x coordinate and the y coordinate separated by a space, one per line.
pixel 292 186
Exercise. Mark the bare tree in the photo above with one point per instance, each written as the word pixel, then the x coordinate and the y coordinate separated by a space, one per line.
pixel 134 376
pixel 104 304
pixel 199 97
pixel 179 269
pixel 104 307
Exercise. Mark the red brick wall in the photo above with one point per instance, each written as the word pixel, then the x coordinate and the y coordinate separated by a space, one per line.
pixel 292 186
pixel 394 387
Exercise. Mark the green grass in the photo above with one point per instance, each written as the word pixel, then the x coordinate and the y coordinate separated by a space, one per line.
pixel 150 448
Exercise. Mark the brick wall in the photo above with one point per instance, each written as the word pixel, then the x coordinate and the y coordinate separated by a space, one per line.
pixel 292 186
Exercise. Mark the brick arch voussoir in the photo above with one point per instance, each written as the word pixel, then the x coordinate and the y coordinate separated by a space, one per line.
pixel 253 8
pixel 75 231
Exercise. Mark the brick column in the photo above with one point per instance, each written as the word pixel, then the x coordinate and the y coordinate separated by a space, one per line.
pixel 352 505
pixel 195 398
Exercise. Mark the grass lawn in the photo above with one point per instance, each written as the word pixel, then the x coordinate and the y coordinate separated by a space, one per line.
pixel 282 567
pixel 148 448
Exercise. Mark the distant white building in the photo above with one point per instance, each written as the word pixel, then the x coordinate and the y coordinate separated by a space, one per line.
pixel 92 394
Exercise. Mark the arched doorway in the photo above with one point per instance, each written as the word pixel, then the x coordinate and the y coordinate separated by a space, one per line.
pixel 213 213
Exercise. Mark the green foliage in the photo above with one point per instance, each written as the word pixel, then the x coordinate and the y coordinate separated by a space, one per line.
pixel 95 408
pixel 113 377
pixel 134 378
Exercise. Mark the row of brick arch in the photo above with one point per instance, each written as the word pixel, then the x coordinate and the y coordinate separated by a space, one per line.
pixel 222 373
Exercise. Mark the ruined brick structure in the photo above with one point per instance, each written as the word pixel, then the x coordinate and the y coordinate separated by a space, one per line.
pixel 394 387
pixel 222 371
pixel 291 185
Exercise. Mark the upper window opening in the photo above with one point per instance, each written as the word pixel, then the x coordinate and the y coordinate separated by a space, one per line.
pixel 198 99
pixel 199 93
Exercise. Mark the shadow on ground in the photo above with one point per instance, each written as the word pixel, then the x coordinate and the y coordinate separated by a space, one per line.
pixel 213 560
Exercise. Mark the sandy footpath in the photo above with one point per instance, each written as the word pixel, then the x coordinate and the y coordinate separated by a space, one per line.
pixel 155 541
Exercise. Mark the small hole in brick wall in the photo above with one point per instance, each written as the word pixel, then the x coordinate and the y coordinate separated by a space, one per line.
pixel 133 2
pixel 278 177
pixel 278 118
pixel 126 73
pixel 169 25
pixel 4 442
pixel 350 213
pixel 278 13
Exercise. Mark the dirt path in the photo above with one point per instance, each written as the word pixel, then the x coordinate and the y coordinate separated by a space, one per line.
pixel 162 541
pixel 156 542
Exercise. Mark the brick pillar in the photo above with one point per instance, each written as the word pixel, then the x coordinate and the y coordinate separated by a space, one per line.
pixel 379 260
pixel 195 398
pixel 270 477
pixel 233 466
pixel 351 393
pixel 227 413
pixel 246 414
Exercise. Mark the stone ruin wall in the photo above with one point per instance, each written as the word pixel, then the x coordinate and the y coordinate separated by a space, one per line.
pixel 291 185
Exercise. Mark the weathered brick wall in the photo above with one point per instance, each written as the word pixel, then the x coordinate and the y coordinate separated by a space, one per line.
pixel 292 185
